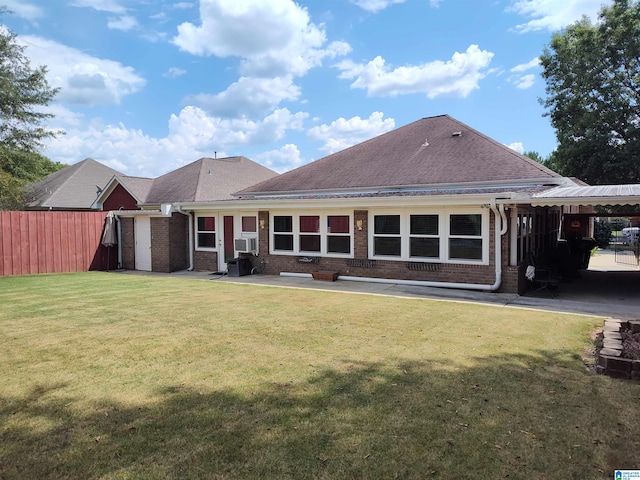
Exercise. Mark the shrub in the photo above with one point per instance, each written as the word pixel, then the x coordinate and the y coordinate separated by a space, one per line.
pixel 602 234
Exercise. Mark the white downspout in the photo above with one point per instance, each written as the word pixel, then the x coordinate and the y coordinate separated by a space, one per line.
pixel 500 228
pixel 190 216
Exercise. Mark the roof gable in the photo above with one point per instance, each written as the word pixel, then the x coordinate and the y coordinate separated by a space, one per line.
pixel 74 187
pixel 432 151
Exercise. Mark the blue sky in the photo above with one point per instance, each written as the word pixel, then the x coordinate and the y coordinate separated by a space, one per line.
pixel 150 85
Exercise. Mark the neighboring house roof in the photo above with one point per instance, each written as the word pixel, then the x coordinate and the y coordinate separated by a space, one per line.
pixel 207 179
pixel 139 187
pixel 432 151
pixel 72 188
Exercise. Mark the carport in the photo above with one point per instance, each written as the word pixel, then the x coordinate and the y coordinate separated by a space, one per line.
pixel 607 280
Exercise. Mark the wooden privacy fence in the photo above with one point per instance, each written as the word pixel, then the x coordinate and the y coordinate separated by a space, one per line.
pixel 51 242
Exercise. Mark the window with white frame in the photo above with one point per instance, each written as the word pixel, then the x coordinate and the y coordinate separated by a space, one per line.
pixel 249 224
pixel 424 239
pixel 312 234
pixel 339 234
pixel 206 232
pixel 424 236
pixel 465 237
pixel 283 233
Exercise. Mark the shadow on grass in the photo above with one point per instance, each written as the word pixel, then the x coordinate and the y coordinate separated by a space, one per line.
pixel 504 417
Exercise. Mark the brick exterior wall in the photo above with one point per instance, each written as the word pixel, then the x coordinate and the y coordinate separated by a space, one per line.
pixel 128 244
pixel 205 261
pixel 169 243
pixel 438 272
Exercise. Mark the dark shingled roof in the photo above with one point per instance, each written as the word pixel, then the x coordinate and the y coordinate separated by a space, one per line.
pixel 207 179
pixel 430 151
pixel 139 187
pixel 72 188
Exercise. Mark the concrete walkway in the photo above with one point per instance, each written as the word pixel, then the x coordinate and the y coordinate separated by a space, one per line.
pixel 607 289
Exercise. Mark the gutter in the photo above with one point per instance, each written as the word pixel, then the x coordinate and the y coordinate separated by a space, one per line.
pixel 500 228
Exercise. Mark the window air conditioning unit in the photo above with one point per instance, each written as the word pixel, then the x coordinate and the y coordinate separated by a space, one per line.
pixel 245 244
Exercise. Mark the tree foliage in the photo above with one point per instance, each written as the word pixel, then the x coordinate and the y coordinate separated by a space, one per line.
pixel 533 155
pixel 24 91
pixel 592 73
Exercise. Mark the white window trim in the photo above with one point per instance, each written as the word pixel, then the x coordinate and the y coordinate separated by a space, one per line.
pixel 324 233
pixel 443 230
pixel 197 232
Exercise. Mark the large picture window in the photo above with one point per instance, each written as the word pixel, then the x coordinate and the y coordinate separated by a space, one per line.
pixel 430 237
pixel 312 234
pixel 206 232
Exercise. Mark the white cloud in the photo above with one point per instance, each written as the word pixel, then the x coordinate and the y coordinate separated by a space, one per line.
pixel 455 77
pixel 83 79
pixel 111 6
pixel 523 67
pixel 24 9
pixel 183 5
pixel 174 72
pixel 284 159
pixel 124 22
pixel 517 146
pixel 343 133
pixel 64 118
pixel 525 81
pixel 248 97
pixel 552 15
pixel 375 6
pixel 272 38
pixel 192 134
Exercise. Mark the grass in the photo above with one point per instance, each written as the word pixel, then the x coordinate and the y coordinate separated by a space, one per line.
pixel 113 376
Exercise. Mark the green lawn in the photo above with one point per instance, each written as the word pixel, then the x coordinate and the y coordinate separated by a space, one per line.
pixel 116 376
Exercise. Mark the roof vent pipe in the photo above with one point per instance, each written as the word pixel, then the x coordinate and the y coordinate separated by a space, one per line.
pixel 456 134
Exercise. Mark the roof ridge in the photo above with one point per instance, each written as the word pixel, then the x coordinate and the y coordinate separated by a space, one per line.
pixel 196 191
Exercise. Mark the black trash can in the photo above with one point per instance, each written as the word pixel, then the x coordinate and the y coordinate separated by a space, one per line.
pixel 239 267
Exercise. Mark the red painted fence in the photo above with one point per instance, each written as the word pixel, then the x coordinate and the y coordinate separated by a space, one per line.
pixel 51 242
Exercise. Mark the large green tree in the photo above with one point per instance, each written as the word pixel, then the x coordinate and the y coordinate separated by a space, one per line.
pixel 24 91
pixel 592 71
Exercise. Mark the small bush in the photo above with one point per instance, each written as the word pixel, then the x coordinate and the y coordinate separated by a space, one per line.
pixel 602 234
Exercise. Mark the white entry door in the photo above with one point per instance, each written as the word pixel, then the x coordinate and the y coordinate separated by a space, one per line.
pixel 142 233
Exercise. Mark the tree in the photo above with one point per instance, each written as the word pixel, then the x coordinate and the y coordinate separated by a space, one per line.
pixel 533 155
pixel 592 73
pixel 23 92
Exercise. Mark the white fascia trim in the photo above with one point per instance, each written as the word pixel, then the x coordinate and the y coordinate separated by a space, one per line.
pixel 355 203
